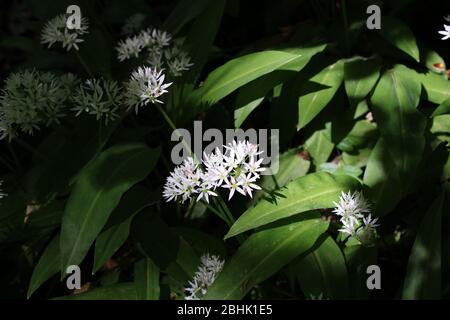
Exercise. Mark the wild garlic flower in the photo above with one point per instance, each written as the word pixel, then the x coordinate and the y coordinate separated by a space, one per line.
pixel 55 30
pixel 101 98
pixel 445 32
pixel 31 99
pixel 161 51
pixel 146 85
pixel 133 24
pixel 210 266
pixel 130 47
pixel 352 209
pixel 237 169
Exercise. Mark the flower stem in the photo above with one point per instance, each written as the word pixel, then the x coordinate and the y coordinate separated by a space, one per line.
pixel 6 163
pixel 174 128
pixel 83 63
pixel 218 213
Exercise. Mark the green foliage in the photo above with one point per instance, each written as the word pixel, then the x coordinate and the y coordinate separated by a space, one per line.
pixel 358 110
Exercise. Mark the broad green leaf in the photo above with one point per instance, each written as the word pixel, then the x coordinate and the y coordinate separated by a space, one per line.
pixel 291 165
pixel 382 179
pixel 323 271
pixel 170 252
pixel 146 280
pixel 444 108
pixel 251 95
pixel 361 134
pixel 394 105
pixel 360 76
pixel 242 70
pixel 399 34
pixel 316 93
pixel 441 124
pixel 121 291
pixel 338 169
pixel 97 192
pixel 436 87
pixel 313 191
pixel 116 231
pixel 319 147
pixel 47 266
pixel 264 253
pixel 423 276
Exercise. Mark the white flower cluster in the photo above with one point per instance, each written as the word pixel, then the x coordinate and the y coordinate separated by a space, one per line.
pixel 55 30
pixel 146 85
pixel 31 99
pixel 210 266
pixel 237 170
pixel 161 51
pixel 353 208
pixel 446 32
pixel 98 97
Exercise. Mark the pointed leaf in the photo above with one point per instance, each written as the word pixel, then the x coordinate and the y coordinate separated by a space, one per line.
pixel 399 34
pixel 263 254
pixel 146 280
pixel 97 192
pixel 313 191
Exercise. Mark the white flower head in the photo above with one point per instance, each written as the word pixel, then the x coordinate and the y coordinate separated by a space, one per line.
pixel 146 85
pixel 55 30
pixel 130 47
pixel 354 213
pixel 445 32
pixel 210 266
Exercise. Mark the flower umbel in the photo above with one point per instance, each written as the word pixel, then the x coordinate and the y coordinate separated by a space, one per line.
pixel 31 99
pixel 210 266
pixel 98 97
pixel 236 170
pixel 445 32
pixel 55 30
pixel 146 85
pixel 352 209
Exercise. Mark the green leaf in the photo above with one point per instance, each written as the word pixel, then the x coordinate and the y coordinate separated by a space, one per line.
pixel 146 280
pixel 97 192
pixel 319 146
pixel 242 70
pixel 382 179
pixel 360 76
pixel 441 124
pixel 399 34
pixel 394 105
pixel 117 229
pixel 251 95
pixel 433 61
pixel 313 191
pixel 121 291
pixel 316 93
pixel 291 165
pixel 47 266
pixel 436 87
pixel 264 253
pixel 323 271
pixel 359 137
pixel 423 276
pixel 444 108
